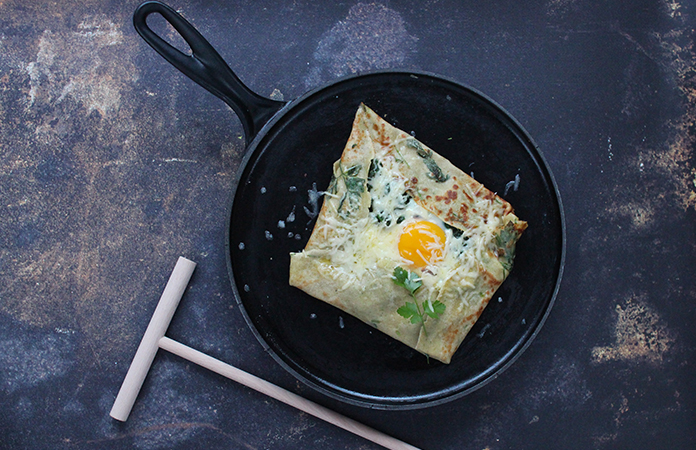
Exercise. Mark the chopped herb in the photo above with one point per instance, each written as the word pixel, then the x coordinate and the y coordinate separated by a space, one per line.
pixel 427 155
pixel 389 218
pixel 352 171
pixel 504 240
pixel 414 144
pixel 456 232
pixel 375 167
pixel 355 187
pixel 456 216
pixel 412 310
pixel 383 217
pixel 507 265
pixel 401 158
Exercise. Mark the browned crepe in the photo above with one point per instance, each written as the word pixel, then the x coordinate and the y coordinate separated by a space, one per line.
pixel 357 275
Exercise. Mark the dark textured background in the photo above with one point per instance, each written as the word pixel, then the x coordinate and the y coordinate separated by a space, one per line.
pixel 114 164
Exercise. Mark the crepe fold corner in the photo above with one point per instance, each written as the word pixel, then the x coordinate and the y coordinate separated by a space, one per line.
pixel 351 255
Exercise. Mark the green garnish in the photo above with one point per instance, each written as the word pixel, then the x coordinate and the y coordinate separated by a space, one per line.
pixel 434 309
pixel 407 280
pixel 427 155
pixel 374 169
pixel 412 310
pixel 401 158
pixel 456 232
pixel 355 187
pixel 505 240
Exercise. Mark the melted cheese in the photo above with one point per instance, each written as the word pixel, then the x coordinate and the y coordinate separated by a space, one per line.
pixel 361 252
pixel 393 202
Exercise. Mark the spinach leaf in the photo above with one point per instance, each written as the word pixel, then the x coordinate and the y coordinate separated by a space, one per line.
pixel 355 187
pixel 505 240
pixel 427 155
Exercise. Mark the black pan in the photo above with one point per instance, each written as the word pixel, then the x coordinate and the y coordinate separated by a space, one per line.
pixel 291 147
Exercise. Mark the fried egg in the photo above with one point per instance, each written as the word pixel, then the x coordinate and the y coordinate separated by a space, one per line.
pixel 398 231
pixel 422 243
pixel 406 241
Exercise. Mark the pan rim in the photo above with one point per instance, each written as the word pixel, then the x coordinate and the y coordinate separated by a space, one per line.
pixel 416 401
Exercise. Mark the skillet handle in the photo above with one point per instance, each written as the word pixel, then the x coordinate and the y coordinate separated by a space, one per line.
pixel 206 67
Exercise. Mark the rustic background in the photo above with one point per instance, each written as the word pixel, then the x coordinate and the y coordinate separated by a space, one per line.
pixel 114 164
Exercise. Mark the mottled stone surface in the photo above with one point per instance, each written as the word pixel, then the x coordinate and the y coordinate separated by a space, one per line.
pixel 114 164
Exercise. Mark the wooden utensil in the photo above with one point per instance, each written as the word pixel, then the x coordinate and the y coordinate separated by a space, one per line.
pixel 154 339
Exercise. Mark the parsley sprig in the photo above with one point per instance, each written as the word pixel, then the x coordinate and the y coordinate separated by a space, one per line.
pixel 415 312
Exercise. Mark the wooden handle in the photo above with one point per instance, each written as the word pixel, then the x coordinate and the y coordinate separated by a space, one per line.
pixel 149 344
pixel 154 338
pixel 282 395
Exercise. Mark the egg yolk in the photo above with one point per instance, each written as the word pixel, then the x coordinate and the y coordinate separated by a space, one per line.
pixel 422 243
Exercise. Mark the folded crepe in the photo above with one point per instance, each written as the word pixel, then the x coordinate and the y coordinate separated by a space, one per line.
pixel 405 241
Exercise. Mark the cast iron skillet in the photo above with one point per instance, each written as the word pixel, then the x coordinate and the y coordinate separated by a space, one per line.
pixel 291 147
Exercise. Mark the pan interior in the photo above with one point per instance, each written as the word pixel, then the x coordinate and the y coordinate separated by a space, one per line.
pixel 272 216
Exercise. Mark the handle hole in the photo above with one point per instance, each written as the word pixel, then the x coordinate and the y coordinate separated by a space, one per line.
pixel 167 32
